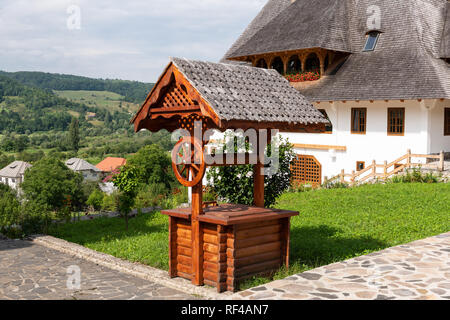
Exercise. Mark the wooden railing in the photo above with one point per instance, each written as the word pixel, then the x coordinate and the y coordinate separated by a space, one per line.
pixel 372 171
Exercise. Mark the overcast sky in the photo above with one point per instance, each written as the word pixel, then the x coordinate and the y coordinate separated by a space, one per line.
pixel 124 39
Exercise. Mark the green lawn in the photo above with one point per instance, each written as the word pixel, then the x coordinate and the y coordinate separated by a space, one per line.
pixel 333 225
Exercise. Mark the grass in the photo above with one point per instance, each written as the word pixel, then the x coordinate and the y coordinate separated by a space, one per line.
pixel 333 225
pixel 146 240
pixel 103 99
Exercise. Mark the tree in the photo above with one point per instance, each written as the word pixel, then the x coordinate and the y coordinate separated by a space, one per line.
pixel 127 181
pixel 9 209
pixel 74 135
pixel 95 200
pixel 154 166
pixel 52 184
pixel 235 183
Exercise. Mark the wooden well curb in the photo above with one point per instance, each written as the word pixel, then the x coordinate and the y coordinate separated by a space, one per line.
pixel 135 269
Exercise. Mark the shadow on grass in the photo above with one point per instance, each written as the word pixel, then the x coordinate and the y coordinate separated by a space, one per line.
pixel 106 229
pixel 322 245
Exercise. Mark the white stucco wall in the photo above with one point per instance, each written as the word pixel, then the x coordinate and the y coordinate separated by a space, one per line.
pixel 12 182
pixel 438 141
pixel 376 144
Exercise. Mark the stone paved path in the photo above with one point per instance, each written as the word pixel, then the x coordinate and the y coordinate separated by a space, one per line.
pixel 418 270
pixel 31 271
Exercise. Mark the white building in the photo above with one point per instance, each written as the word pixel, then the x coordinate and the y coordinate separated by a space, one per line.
pixel 89 171
pixel 12 175
pixel 384 71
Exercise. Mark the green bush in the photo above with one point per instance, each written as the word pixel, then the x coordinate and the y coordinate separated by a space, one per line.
pixel 109 202
pixel 52 184
pixel 95 200
pixel 10 211
pixel 154 166
pixel 150 195
pixel 235 183
pixel 415 176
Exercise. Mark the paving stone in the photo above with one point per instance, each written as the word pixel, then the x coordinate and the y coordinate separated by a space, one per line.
pixel 366 294
pixel 310 276
pixel 259 289
pixel 35 272
pixel 414 271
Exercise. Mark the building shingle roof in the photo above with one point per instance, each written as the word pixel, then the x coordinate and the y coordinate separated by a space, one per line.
pixel 110 164
pixel 445 44
pixel 237 92
pixel 267 14
pixel 15 169
pixel 77 164
pixel 406 63
pixel 283 32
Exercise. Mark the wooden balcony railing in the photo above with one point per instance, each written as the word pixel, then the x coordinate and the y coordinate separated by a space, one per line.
pixel 398 165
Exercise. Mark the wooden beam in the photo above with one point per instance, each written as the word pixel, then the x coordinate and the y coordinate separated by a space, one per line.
pixel 319 147
pixel 197 235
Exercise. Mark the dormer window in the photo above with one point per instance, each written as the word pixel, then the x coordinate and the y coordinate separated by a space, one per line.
pixel 372 40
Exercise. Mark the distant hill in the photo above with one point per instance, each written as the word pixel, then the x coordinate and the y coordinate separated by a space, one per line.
pixel 29 109
pixel 132 91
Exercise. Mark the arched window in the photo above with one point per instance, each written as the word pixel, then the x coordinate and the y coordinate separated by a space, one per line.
pixel 294 65
pixel 312 63
pixel 261 64
pixel 278 65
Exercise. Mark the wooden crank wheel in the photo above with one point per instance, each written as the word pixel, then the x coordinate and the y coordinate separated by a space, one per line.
pixel 187 161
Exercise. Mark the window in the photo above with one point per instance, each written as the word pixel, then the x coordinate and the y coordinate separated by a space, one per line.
pixel 261 64
pixel 328 127
pixel 372 40
pixel 360 165
pixel 278 65
pixel 396 121
pixel 294 65
pixel 359 120
pixel 447 122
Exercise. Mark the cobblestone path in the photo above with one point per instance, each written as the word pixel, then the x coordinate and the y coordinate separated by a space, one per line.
pixel 418 270
pixel 31 271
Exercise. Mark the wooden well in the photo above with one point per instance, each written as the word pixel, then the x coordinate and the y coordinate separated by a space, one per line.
pixel 238 242
pixel 222 245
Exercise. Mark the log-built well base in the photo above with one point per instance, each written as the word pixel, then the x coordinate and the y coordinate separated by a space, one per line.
pixel 238 242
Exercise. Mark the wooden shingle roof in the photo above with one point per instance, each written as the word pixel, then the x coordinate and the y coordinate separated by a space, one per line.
pixel 407 62
pixel 231 94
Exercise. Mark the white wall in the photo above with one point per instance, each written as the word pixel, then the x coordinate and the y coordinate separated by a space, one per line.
pixel 12 182
pixel 376 144
pixel 438 141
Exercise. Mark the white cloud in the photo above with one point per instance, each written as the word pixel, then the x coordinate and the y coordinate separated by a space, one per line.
pixel 118 39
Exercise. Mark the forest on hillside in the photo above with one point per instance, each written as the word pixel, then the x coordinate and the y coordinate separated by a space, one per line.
pixel 132 91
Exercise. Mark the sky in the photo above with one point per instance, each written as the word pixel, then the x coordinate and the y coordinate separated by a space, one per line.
pixel 117 39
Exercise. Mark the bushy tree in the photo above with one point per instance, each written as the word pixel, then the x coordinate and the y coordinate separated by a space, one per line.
pixel 95 199
pixel 9 209
pixel 235 183
pixel 52 184
pixel 154 166
pixel 127 181
pixel 74 135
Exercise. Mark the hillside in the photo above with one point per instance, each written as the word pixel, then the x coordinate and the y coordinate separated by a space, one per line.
pixel 35 116
pixel 132 91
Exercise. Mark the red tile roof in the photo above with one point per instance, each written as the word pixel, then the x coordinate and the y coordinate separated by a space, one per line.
pixel 109 164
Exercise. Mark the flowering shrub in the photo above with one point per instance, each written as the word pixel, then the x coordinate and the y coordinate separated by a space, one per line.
pixel 302 76
pixel 234 184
